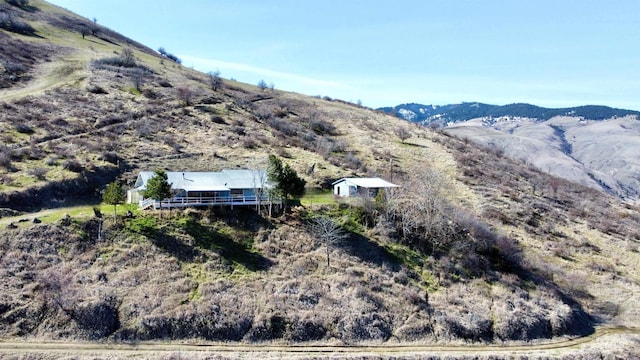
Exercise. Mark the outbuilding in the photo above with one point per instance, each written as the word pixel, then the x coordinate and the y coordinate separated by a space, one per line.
pixel 347 187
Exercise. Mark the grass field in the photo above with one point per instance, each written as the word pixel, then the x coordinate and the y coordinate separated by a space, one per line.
pixel 317 197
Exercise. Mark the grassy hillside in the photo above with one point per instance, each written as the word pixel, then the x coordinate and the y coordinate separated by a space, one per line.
pixel 472 248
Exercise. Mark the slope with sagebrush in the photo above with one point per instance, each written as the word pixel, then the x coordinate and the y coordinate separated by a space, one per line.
pixel 472 247
pixel 596 146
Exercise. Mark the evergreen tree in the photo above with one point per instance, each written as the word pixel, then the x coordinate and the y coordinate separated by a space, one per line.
pixel 158 187
pixel 114 195
pixel 287 179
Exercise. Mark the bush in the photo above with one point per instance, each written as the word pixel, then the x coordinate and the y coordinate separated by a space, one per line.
pixel 24 129
pixel 39 173
pixel 20 3
pixel 126 60
pixel 115 61
pixel 322 127
pixel 14 68
pixel 169 56
pixel 352 161
pixel 238 130
pixel 11 24
pixel 110 157
pixel 185 95
pixel 217 119
pixel 151 94
pixel 73 166
pixel 5 159
pixel 96 89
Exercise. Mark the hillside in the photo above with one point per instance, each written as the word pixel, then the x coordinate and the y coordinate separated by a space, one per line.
pixel 472 248
pixel 595 146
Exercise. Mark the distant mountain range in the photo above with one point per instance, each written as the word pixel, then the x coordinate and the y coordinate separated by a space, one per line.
pixel 427 114
pixel 597 146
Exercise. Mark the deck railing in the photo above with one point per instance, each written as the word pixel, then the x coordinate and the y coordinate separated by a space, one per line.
pixel 231 200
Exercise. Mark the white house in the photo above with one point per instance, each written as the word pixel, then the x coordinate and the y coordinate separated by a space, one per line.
pixel 360 186
pixel 226 187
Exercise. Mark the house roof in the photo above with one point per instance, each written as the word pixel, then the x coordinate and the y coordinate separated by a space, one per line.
pixel 369 183
pixel 209 181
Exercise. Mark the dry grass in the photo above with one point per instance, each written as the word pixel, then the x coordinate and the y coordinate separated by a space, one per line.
pixel 573 235
pixel 207 275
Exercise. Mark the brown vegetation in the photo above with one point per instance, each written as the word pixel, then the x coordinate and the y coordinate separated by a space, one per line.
pixel 472 248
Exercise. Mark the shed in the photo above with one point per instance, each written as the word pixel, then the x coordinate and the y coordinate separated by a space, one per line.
pixel 360 186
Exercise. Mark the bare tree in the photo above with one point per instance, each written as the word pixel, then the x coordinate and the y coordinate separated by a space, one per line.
pixel 403 133
pixel 554 183
pixel 137 78
pixel 128 59
pixel 260 179
pixel 215 81
pixel 185 95
pixel 56 287
pixel 420 211
pixel 328 231
pixel 262 85
pixel 84 31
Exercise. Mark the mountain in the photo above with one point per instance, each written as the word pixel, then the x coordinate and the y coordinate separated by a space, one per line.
pixel 472 247
pixel 596 146
pixel 445 114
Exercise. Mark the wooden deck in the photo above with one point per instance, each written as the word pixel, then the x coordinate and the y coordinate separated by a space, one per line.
pixel 181 202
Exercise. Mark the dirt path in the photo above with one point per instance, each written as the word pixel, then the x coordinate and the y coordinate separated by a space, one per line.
pixel 47 75
pixel 615 341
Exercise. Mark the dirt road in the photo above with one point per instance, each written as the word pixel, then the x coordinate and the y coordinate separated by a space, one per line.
pixel 614 342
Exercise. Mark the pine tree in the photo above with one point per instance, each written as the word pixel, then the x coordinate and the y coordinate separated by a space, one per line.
pixel 287 179
pixel 114 195
pixel 158 187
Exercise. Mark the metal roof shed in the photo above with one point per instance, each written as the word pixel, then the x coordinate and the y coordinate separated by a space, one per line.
pixel 360 186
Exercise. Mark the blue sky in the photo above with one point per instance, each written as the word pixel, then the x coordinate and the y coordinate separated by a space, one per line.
pixel 553 53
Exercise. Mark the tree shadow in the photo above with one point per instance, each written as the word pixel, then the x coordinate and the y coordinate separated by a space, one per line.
pixel 107 40
pixel 226 247
pixel 369 251
pixel 27 7
pixel 173 246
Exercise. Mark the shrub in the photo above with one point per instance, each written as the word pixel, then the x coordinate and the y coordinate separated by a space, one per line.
pixel 185 95
pixel 110 157
pixel 96 89
pixel 20 3
pixel 5 159
pixel 126 60
pixel 73 166
pixel 14 69
pixel 39 173
pixel 249 143
pixel 238 130
pixel 115 61
pixel 286 127
pixel 352 161
pixel 169 56
pixel 24 129
pixel 11 24
pixel 217 119
pixel 151 94
pixel 322 127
